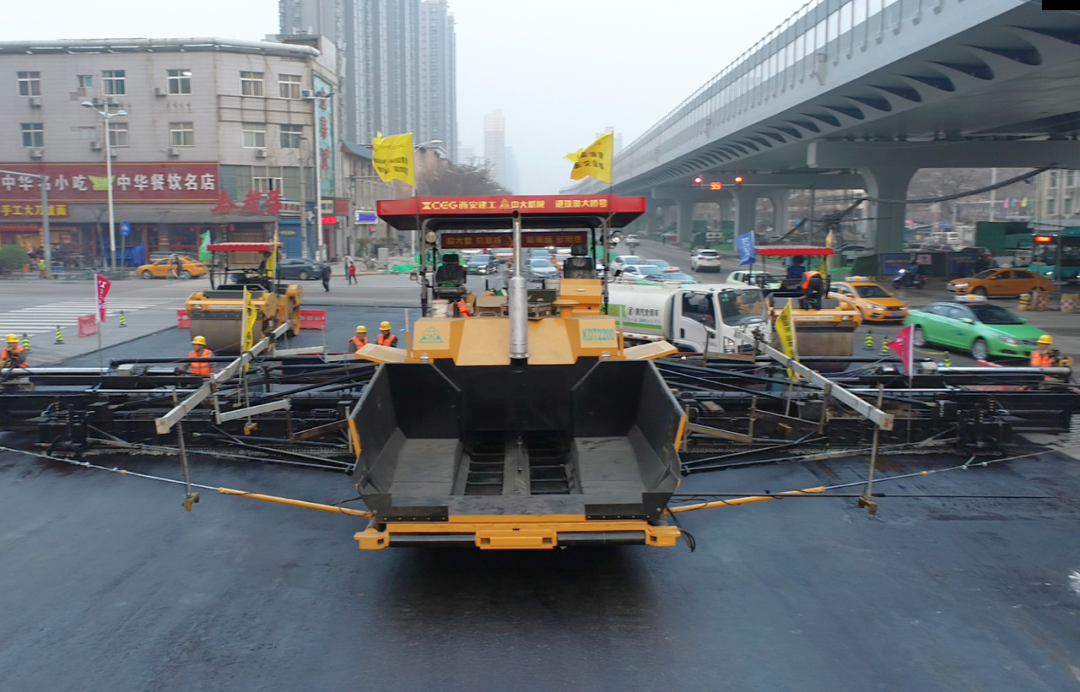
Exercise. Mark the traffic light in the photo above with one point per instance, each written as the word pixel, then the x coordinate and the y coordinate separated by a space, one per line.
pixel 738 180
pixel 697 181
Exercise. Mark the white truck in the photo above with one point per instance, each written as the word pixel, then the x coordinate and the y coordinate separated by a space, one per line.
pixel 710 319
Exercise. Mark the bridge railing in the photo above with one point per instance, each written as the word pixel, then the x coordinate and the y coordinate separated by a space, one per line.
pixel 820 32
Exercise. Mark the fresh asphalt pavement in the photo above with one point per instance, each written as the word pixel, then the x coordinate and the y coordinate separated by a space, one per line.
pixel 107 584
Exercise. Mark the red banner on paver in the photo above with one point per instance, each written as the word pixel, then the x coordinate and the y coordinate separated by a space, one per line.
pixel 132 182
pixel 468 241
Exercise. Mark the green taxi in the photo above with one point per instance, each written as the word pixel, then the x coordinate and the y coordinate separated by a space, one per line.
pixel 974 325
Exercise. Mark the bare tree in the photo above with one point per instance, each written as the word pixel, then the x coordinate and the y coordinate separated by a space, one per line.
pixel 459 181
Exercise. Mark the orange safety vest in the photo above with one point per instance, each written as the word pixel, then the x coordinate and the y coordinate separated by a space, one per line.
pixel 1040 360
pixel 358 343
pixel 463 308
pixel 387 340
pixel 18 357
pixel 806 278
pixel 201 367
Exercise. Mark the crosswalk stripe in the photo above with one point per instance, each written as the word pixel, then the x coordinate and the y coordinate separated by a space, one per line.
pixel 44 319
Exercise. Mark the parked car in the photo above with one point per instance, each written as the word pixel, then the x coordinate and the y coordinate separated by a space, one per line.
pixel 299 268
pixel 874 302
pixel 770 282
pixel 1001 282
pixel 482 264
pixel 975 326
pixel 540 268
pixel 705 260
pixel 632 273
pixel 161 268
pixel 664 266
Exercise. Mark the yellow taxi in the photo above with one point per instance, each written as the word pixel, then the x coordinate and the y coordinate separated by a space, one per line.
pixel 871 300
pixel 161 269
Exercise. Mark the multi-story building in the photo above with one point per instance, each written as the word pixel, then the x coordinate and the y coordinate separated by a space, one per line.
pixel 1057 198
pixel 438 77
pixel 399 65
pixel 495 145
pixel 213 136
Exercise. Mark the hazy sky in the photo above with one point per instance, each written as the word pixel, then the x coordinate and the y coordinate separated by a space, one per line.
pixel 561 70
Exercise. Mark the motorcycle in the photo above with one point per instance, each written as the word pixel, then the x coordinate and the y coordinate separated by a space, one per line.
pixel 908 279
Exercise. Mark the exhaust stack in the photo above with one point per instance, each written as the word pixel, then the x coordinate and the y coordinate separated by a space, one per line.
pixel 518 302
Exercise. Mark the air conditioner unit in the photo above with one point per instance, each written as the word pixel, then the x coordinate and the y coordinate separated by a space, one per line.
pixel 37 153
pixel 173 151
pixel 260 153
pixel 35 101
pixel 97 101
pixel 158 91
pixel 81 91
pixel 110 101
pixel 95 144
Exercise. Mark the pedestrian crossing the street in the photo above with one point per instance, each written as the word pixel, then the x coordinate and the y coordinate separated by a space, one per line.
pixel 44 319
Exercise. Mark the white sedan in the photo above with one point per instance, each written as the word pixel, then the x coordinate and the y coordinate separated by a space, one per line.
pixel 705 260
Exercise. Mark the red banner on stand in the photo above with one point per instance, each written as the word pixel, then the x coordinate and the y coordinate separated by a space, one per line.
pixel 103 286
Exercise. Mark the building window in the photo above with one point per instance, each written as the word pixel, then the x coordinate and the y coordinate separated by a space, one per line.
pixel 112 82
pixel 1071 179
pixel 289 86
pixel 251 83
pixel 1053 178
pixel 1068 206
pixel 181 134
pixel 29 83
pixel 254 136
pixel 1051 206
pixel 290 136
pixel 265 184
pixel 85 81
pixel 33 135
pixel 87 132
pixel 180 81
pixel 118 135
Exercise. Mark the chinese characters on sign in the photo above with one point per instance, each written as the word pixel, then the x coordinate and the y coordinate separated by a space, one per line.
pixel 59 211
pixel 464 241
pixel 253 204
pixel 324 113
pixel 132 182
pixel 512 203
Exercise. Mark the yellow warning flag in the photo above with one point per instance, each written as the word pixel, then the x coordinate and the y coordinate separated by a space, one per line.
pixel 393 158
pixel 271 264
pixel 785 330
pixel 100 183
pixel 594 161
pixel 251 313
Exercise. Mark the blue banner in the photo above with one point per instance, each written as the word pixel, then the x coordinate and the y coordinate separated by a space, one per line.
pixel 745 245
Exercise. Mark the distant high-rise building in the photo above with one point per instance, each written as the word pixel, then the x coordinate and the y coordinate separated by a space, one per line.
pixel 466 154
pixel 495 145
pixel 391 52
pixel 510 179
pixel 438 76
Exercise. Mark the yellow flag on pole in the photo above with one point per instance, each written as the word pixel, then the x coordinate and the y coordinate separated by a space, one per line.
pixel 785 330
pixel 99 183
pixel 271 264
pixel 393 158
pixel 594 161
pixel 251 314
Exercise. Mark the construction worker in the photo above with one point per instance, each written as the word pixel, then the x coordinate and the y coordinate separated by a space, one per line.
pixel 462 308
pixel 814 288
pixel 385 337
pixel 14 355
pixel 360 340
pixel 200 367
pixel 1043 358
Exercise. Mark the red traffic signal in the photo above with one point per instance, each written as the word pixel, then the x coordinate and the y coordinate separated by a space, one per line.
pixel 697 180
pixel 738 180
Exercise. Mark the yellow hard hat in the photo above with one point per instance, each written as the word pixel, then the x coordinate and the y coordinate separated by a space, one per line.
pixel 12 339
pixel 199 340
pixel 384 325
pixel 1046 339
pixel 361 329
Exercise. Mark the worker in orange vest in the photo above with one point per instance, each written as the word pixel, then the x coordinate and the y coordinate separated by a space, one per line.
pixel 200 367
pixel 814 287
pixel 1042 358
pixel 462 308
pixel 385 337
pixel 360 340
pixel 14 356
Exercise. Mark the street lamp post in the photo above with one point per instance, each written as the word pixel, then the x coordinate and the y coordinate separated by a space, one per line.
pixel 108 175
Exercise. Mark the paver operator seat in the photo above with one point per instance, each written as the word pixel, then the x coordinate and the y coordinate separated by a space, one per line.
pixel 450 278
pixel 579 265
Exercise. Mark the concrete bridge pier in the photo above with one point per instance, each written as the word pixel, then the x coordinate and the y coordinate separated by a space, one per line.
pixel 888 185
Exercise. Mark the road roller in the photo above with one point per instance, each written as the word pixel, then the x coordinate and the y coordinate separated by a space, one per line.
pixel 526 424
pixel 238 267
